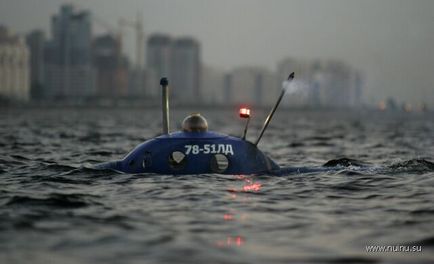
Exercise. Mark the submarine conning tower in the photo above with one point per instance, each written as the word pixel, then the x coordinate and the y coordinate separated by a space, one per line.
pixel 195 149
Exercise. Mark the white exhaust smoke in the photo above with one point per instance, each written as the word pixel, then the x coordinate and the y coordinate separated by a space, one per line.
pixel 295 87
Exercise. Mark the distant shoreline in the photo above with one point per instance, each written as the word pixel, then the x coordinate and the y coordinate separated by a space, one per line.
pixel 137 104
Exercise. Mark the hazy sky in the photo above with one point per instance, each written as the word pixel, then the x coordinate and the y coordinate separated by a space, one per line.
pixel 391 41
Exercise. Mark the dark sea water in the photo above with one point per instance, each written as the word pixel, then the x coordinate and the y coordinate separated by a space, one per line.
pixel 54 208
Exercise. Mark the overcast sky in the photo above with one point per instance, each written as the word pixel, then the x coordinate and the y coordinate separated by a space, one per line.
pixel 390 41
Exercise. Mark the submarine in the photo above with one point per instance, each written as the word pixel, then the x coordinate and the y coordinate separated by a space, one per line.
pixel 195 150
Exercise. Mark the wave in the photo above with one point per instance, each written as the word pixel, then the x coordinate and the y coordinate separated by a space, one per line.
pixel 344 162
pixel 65 170
pixel 343 166
pixel 105 153
pixel 57 200
pixel 91 171
pixel 60 167
pixel 64 180
pixel 11 162
pixel 19 157
pixel 334 165
pixel 413 165
pixel 355 167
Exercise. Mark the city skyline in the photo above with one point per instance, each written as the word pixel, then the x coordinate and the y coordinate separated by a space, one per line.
pixel 393 55
pixel 77 66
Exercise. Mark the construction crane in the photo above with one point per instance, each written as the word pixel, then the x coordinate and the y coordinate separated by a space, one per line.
pixel 137 25
pixel 110 29
pixel 140 37
pixel 116 32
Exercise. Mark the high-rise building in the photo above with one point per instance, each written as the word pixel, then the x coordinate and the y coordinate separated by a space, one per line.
pixel 14 67
pixel 186 70
pixel 159 55
pixel 179 60
pixel 358 89
pixel 69 70
pixel 111 71
pixel 251 85
pixel 137 80
pixel 330 83
pixel 304 71
pixel 158 61
pixel 212 85
pixel 337 86
pixel 36 43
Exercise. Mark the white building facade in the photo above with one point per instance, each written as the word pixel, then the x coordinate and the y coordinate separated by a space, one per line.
pixel 14 67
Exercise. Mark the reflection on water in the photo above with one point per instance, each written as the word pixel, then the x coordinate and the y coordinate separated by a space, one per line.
pixel 236 241
pixel 236 216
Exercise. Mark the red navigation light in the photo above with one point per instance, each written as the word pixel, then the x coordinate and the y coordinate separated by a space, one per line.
pixel 244 112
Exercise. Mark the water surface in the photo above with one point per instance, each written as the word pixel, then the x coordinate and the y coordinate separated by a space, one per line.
pixel 55 209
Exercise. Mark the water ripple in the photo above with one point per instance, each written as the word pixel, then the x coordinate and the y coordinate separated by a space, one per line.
pixel 348 181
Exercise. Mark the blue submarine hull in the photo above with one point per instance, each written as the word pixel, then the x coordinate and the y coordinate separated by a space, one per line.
pixel 194 153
